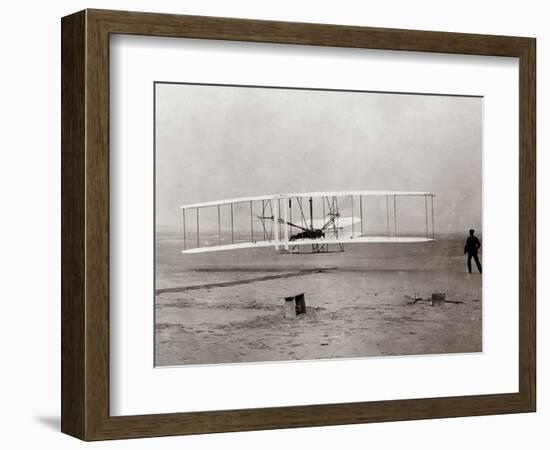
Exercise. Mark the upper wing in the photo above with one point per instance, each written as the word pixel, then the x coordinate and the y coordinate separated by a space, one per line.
pixel 306 195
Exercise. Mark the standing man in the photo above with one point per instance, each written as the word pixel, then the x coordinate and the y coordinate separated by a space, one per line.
pixel 471 247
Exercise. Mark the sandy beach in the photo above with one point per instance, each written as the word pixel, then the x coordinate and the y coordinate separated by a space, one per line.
pixel 227 307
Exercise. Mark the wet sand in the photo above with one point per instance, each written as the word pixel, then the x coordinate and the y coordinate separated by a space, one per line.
pixel 228 307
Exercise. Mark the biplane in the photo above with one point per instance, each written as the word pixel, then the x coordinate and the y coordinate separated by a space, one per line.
pixel 298 222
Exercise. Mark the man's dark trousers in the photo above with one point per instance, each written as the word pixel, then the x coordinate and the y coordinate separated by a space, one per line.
pixel 476 259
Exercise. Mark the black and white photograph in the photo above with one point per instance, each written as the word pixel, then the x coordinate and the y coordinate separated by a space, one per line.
pixel 306 224
pixel 252 225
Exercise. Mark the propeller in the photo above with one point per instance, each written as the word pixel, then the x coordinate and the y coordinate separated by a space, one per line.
pixel 330 222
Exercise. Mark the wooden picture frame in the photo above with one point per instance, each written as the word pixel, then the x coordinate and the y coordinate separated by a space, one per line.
pixel 85 224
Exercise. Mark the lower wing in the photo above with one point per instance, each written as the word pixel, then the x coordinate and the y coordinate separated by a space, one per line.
pixel 298 242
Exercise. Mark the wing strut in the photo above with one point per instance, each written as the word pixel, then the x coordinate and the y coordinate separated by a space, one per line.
pixel 232 234
pixel 198 239
pixel 361 212
pixel 184 239
pixel 395 215
pixel 285 226
pixel 433 224
pixel 263 215
pixel 311 212
pixel 251 223
pixel 219 227
pixel 351 196
pixel 275 207
pixel 426 212
pixel 387 215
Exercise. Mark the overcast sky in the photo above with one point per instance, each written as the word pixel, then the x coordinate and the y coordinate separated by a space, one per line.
pixel 216 142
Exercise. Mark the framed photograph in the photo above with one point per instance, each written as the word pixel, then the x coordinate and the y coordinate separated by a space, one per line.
pixel 273 225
